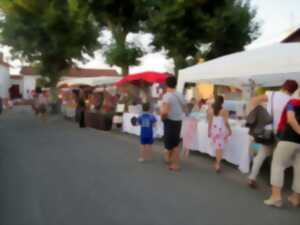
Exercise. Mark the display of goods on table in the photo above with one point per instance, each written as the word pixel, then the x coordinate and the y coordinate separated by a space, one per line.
pixel 99 121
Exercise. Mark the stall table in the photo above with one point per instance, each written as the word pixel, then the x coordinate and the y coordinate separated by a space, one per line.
pixel 68 111
pixel 98 120
pixel 236 150
pixel 129 128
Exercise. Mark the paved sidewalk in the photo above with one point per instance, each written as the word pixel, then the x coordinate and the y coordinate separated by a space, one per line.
pixel 59 174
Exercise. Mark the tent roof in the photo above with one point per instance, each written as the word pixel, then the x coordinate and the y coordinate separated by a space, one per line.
pixel 91 81
pixel 266 66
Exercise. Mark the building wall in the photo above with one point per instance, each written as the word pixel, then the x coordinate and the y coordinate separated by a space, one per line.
pixel 4 81
pixel 29 84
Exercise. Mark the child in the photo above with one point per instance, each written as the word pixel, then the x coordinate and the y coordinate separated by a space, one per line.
pixel 218 128
pixel 146 120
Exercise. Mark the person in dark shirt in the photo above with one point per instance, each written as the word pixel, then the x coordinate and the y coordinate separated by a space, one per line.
pixel 146 120
pixel 286 152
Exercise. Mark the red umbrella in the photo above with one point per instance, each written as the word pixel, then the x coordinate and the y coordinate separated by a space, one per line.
pixel 149 77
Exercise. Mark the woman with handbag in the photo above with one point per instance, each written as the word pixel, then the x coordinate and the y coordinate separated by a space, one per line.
pixel 275 101
pixel 172 111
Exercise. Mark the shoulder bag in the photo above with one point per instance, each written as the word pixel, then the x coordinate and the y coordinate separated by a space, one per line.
pixel 267 136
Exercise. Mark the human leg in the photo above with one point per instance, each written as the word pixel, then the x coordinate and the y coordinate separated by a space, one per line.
pixel 294 198
pixel 258 161
pixel 175 159
pixel 218 160
pixel 282 155
pixel 148 150
pixel 172 141
pixel 142 153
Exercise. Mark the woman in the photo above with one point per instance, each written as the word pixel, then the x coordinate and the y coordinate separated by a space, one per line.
pixel 172 111
pixel 287 150
pixel 275 101
pixel 80 108
pixel 218 129
pixel 41 104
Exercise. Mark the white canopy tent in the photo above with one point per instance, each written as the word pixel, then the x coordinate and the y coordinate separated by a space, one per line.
pixel 91 81
pixel 268 66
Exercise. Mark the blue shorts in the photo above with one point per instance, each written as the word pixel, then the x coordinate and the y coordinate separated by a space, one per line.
pixel 147 140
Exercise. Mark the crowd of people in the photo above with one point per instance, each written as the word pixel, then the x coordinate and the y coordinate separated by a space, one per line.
pixel 274 125
pixel 273 120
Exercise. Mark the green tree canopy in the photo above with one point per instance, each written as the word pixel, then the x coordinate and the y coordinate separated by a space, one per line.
pixel 48 33
pixel 121 18
pixel 183 28
pixel 235 27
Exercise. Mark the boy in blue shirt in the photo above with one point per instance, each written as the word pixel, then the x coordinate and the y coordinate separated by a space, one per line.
pixel 146 120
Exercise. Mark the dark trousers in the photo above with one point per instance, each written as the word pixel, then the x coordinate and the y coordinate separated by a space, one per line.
pixel 81 119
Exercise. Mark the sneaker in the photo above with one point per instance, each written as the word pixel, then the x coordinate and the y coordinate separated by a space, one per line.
pixel 294 202
pixel 275 203
pixel 252 184
pixel 140 160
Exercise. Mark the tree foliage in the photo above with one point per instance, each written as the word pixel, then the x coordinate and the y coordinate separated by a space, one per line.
pixel 182 28
pixel 48 33
pixel 121 18
pixel 235 27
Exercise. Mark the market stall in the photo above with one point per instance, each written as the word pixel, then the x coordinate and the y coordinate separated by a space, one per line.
pixel 146 86
pixel 265 67
pixel 195 137
pixel 68 104
pixel 130 128
pixel 268 66
pixel 99 98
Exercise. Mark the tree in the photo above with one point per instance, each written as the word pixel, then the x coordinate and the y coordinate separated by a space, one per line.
pixel 121 18
pixel 185 28
pixel 235 28
pixel 49 34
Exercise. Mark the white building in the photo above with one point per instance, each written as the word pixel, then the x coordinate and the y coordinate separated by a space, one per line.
pixel 4 78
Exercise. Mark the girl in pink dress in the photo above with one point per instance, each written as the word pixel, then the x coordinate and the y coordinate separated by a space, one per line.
pixel 218 129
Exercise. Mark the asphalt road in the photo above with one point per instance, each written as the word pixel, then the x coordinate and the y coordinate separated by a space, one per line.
pixel 58 174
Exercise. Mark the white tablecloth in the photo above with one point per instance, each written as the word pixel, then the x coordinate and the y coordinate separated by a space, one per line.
pixel 129 128
pixel 236 150
pixel 68 111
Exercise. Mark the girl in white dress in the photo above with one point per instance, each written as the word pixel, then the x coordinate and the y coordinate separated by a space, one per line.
pixel 218 128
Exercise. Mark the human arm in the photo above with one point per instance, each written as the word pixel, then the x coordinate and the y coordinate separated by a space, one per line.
pixel 226 119
pixel 165 107
pixel 291 119
pixel 209 119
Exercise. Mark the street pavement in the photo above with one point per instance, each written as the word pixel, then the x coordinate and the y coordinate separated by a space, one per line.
pixel 58 174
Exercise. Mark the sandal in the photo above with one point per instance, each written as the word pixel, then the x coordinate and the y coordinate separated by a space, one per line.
pixel 293 202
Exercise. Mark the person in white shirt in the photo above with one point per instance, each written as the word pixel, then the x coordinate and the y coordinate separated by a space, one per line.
pixel 276 101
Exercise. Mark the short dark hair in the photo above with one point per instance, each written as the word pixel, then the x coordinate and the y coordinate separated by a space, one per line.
pixel 290 86
pixel 38 90
pixel 171 82
pixel 146 107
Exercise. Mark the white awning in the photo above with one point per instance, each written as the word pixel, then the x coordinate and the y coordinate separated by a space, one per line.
pixel 91 81
pixel 269 66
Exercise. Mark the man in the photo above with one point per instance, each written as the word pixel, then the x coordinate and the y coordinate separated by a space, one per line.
pixel 172 112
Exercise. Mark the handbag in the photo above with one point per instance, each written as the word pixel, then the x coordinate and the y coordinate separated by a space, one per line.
pixel 266 136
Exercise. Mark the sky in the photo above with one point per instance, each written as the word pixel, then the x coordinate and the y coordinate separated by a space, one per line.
pixel 276 17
